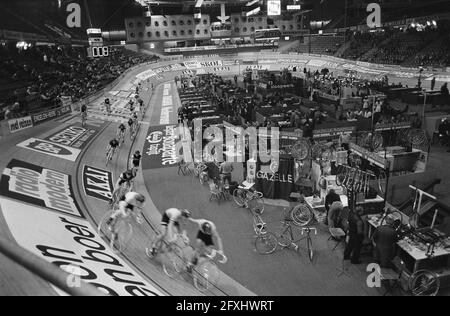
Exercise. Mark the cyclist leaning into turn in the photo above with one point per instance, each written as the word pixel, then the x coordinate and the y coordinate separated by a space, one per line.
pixel 127 178
pixel 131 202
pixel 113 144
pixel 121 132
pixel 207 237
pixel 171 224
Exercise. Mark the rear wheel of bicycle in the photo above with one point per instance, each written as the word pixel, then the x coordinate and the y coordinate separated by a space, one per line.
pixel 206 275
pixel 256 205
pixel 124 232
pixel 239 197
pixel 284 240
pixel 173 260
pixel 302 215
pixel 103 229
pixel 122 228
pixel 266 244
pixel 310 249
pixel 424 283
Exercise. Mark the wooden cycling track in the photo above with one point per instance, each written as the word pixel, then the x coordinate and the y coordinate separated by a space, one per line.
pixel 16 280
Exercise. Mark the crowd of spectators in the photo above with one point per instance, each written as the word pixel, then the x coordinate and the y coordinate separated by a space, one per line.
pixel 49 72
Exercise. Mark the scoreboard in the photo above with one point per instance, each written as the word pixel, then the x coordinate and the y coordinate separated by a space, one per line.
pixel 98 51
pixel 96 48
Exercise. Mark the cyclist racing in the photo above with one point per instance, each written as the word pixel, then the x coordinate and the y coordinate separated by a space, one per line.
pixel 207 235
pixel 171 223
pixel 127 178
pixel 113 144
pixel 121 132
pixel 131 202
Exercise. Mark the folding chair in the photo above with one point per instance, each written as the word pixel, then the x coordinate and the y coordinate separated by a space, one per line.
pixel 214 192
pixel 338 235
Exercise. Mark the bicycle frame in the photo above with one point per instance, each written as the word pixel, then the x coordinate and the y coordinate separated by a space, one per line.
pixel 288 227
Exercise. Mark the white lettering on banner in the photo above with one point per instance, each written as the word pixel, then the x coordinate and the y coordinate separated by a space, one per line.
pixel 164 145
pixel 167 105
pixel 19 124
pixel 68 135
pixel 97 183
pixel 275 177
pixel 59 151
pixel 49 186
pixel 73 245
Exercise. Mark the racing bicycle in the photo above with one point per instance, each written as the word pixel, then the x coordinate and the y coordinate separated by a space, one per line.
pixel 205 273
pixel 286 237
pixel 121 232
pixel 121 137
pixel 249 198
pixel 265 242
pixel 110 154
pixel 124 188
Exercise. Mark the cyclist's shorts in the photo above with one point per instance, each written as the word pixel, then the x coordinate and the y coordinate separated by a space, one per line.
pixel 165 221
pixel 136 162
pixel 207 239
pixel 122 181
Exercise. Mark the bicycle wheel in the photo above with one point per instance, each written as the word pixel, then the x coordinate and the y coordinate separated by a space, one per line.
pixel 310 249
pixel 424 283
pixel 124 231
pixel 284 240
pixel 173 260
pixel 302 215
pixel 256 205
pixel 239 197
pixel 206 275
pixel 266 244
pixel 108 158
pixel 103 229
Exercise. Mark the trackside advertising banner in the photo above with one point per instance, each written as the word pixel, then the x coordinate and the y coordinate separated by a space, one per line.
pixel 49 148
pixel 74 136
pixel 39 186
pixel 50 114
pixel 74 246
pixel 98 183
pixel 19 124
pixel 160 147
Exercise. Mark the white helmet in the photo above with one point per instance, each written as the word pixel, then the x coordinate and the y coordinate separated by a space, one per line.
pixel 135 199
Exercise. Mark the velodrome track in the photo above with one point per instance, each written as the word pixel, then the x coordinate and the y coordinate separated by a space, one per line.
pixel 23 221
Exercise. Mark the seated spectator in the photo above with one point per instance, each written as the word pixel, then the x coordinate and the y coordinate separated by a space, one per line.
pixel 336 216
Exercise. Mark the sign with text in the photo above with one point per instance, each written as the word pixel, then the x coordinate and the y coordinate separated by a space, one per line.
pixel 39 186
pixel 50 114
pixel 74 136
pixel 73 245
pixel 49 148
pixel 278 185
pixel 19 124
pixel 98 183
pixel 160 147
